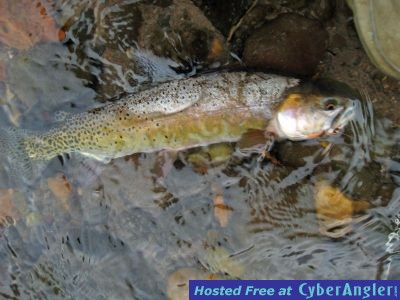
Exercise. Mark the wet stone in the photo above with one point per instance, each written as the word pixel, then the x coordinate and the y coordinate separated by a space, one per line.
pixel 133 38
pixel 291 44
pixel 292 154
pixel 123 21
pixel 175 29
pixel 181 31
pixel 373 184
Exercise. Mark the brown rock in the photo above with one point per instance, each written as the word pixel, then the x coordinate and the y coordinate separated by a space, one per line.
pixel 331 203
pixel 181 31
pixel 335 210
pixel 152 40
pixel 61 189
pixel 292 154
pixel 222 212
pixel 290 44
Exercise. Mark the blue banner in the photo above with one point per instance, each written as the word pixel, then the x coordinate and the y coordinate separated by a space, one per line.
pixel 294 289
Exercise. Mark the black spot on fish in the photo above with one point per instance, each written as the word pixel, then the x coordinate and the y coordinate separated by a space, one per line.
pixel 95 110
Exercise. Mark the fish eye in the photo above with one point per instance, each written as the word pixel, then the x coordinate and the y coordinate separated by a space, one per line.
pixel 330 104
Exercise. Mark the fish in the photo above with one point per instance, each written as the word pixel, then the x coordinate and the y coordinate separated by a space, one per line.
pixel 182 114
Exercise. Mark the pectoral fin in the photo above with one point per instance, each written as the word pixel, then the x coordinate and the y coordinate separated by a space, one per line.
pixel 251 139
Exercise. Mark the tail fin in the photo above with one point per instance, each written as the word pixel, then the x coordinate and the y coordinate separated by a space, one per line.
pixel 17 163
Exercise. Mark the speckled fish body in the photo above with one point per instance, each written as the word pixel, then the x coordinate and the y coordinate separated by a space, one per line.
pixel 176 115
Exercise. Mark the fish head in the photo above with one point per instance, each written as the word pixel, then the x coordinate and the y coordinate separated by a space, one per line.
pixel 307 115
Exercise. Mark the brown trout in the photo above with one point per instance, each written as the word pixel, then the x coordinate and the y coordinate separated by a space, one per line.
pixel 186 113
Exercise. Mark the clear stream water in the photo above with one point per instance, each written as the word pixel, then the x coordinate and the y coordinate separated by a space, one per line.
pixel 124 228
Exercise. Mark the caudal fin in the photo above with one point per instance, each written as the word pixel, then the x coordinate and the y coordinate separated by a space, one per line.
pixel 14 158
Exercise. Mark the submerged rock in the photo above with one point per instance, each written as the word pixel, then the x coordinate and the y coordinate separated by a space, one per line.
pixel 290 44
pixel 335 210
pixel 180 31
pixel 151 41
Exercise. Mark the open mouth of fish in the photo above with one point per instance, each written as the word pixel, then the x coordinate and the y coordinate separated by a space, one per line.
pixel 341 120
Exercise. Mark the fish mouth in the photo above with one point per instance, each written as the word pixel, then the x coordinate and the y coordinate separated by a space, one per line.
pixel 342 119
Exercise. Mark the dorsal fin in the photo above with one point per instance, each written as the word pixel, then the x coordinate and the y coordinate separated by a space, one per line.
pixel 167 98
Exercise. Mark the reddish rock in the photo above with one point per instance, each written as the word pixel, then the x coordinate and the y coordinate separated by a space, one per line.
pixel 23 23
pixel 291 44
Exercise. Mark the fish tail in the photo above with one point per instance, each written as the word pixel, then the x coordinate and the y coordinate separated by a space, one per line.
pixel 18 165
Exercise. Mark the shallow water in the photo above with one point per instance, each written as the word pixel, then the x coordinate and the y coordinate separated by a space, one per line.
pixel 122 230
